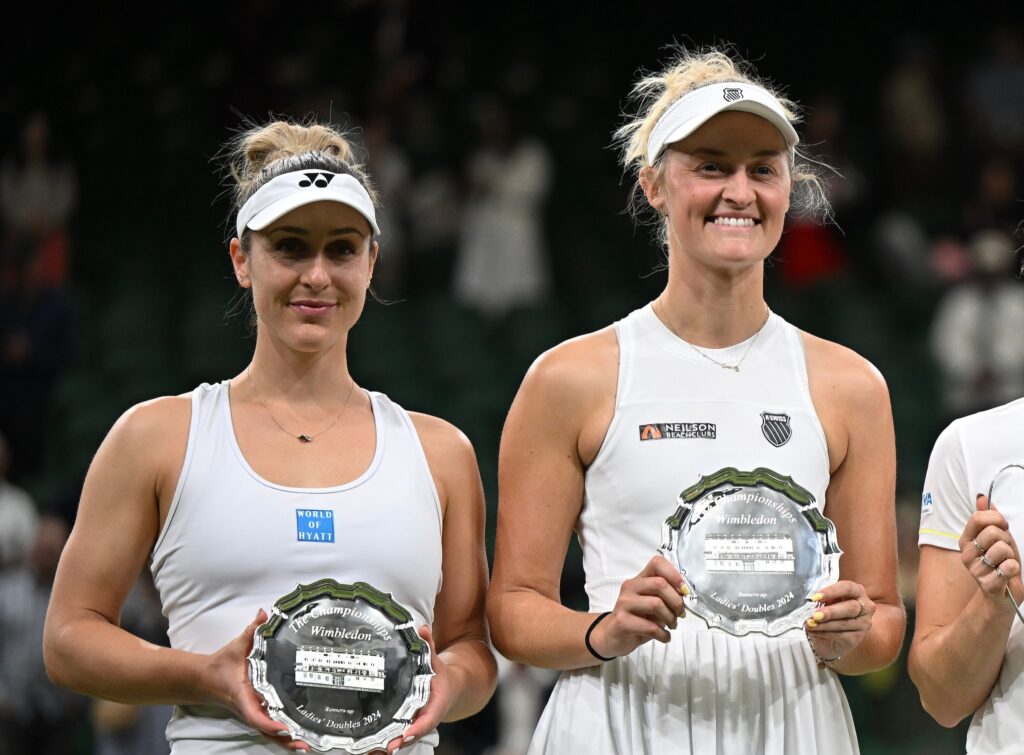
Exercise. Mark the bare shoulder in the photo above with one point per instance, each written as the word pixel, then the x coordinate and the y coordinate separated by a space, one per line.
pixel 567 399
pixel 150 437
pixel 842 375
pixel 450 457
pixel 577 369
pixel 441 438
pixel 153 421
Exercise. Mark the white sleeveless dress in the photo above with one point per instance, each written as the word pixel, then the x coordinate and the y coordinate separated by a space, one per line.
pixel 234 542
pixel 679 416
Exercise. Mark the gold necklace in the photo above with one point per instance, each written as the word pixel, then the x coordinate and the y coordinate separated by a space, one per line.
pixel 734 367
pixel 303 437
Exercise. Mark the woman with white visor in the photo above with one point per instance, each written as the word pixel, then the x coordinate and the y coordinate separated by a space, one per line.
pixel 216 489
pixel 610 427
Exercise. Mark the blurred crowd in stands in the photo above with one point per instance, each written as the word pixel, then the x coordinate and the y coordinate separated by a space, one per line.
pixel 503 233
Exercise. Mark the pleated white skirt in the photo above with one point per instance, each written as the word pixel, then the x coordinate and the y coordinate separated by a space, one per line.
pixel 704 693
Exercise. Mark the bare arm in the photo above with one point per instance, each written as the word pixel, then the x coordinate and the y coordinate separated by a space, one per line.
pixel 554 429
pixel 132 476
pixel 853 403
pixel 116 527
pixel 466 671
pixel 963 618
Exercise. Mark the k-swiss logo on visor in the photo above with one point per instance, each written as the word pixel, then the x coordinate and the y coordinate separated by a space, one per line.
pixel 776 428
pixel 319 180
pixel 669 430
pixel 731 94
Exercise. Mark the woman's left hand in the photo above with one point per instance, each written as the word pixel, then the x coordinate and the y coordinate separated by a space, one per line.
pixel 842 621
pixel 430 715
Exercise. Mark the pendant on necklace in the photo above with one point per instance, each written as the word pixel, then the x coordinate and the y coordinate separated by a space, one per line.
pixel 733 367
pixel 304 438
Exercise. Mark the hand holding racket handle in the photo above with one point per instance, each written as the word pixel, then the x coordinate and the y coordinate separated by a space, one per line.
pixel 1005 569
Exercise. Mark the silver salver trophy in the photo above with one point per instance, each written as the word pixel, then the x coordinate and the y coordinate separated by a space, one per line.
pixel 341 666
pixel 753 549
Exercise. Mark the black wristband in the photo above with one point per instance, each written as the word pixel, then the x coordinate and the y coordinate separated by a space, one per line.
pixel 586 638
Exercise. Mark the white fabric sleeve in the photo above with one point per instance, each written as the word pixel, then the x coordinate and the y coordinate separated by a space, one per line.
pixel 946 502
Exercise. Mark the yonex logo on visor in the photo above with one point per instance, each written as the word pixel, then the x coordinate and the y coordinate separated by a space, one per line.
pixel 697 107
pixel 286 192
pixel 316 179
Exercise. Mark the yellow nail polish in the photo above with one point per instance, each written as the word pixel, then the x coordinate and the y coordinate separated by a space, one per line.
pixel 684 590
pixel 819 616
pixel 812 623
pixel 817 597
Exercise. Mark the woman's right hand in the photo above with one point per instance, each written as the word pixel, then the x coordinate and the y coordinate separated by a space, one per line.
pixel 230 686
pixel 648 606
pixel 988 550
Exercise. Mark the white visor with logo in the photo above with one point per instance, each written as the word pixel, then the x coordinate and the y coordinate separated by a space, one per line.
pixel 694 109
pixel 284 193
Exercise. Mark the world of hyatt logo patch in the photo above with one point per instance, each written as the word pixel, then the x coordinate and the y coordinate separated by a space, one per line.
pixel 314 525
pixel 669 430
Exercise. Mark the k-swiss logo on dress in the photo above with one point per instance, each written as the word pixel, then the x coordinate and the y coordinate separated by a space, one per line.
pixel 314 525
pixel 319 180
pixel 669 430
pixel 776 428
pixel 731 94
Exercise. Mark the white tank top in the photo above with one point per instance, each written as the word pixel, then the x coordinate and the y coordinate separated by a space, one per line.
pixel 234 542
pixel 701 418
pixel 679 416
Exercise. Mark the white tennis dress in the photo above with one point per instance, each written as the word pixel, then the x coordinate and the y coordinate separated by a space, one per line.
pixel 967 456
pixel 234 542
pixel 679 416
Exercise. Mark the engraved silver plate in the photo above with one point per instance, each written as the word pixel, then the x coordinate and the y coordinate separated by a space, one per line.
pixel 341 666
pixel 753 549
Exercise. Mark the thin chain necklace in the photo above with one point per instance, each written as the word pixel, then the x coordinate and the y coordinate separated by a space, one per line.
pixel 304 437
pixel 734 367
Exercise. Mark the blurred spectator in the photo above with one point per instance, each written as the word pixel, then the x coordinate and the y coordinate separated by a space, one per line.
pixel 433 204
pixel 812 252
pixel 37 196
pixel 996 202
pixel 522 691
pixel 35 347
pixel 828 139
pixel 18 518
pixel 994 103
pixel 975 335
pixel 904 253
pixel 392 173
pixel 35 716
pixel 502 260
pixel 914 121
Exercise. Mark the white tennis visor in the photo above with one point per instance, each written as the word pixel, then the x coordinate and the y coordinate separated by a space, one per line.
pixel 284 193
pixel 695 108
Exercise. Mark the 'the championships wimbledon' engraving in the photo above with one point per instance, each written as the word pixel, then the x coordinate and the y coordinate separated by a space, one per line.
pixel 750 496
pixel 340 611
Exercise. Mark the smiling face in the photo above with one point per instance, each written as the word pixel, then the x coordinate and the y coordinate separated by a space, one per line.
pixel 725 191
pixel 309 271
